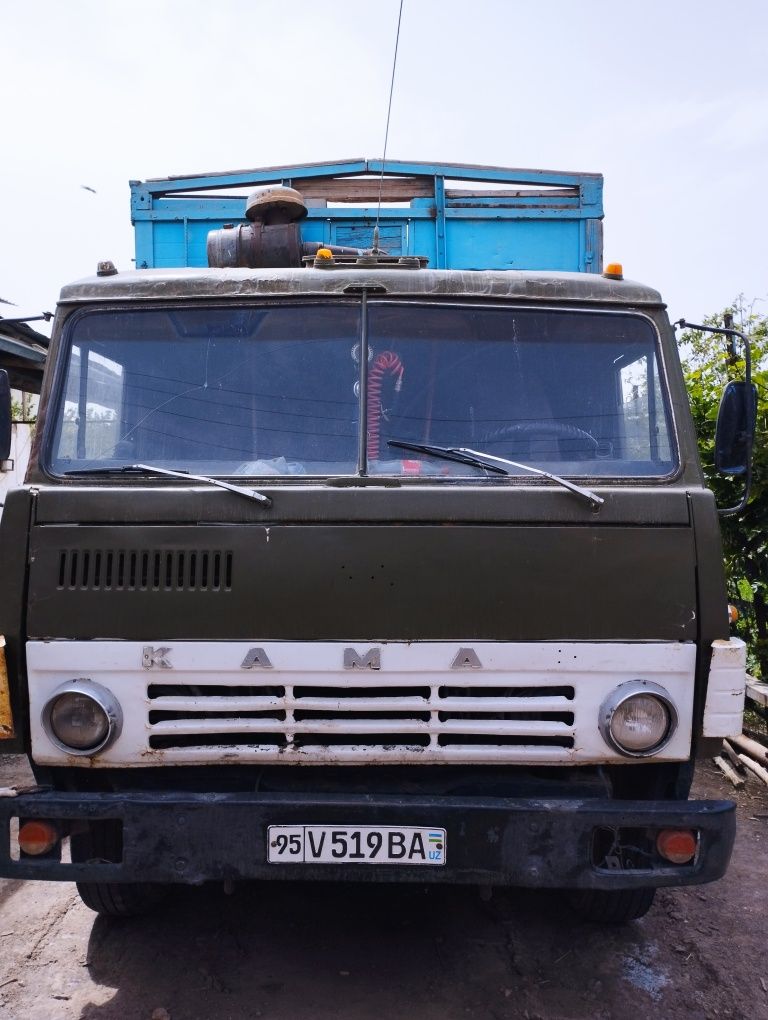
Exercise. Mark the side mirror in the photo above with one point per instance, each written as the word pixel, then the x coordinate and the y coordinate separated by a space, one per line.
pixel 736 419
pixel 5 416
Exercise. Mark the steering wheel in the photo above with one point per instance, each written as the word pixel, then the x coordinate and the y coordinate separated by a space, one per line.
pixel 534 430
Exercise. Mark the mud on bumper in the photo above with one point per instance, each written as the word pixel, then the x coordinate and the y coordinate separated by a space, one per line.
pixel 194 838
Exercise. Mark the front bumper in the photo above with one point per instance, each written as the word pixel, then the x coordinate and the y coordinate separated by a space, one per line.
pixel 198 837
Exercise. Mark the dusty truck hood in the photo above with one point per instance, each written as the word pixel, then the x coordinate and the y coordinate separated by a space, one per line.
pixel 533 563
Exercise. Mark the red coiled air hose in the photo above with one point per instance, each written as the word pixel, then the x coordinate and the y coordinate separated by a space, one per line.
pixel 385 363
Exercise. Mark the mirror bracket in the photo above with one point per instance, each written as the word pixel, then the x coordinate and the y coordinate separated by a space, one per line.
pixel 746 409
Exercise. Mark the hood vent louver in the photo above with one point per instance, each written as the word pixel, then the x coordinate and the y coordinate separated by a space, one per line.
pixel 144 570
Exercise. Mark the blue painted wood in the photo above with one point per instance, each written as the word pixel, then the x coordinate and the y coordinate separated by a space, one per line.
pixel 545 230
pixel 358 166
pixel 441 261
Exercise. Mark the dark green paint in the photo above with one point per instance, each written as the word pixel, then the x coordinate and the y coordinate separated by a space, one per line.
pixel 403 582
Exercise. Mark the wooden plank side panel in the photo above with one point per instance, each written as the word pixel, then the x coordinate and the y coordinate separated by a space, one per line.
pixel 6 716
pixel 400 189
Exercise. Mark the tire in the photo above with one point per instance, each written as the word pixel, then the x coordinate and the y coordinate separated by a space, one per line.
pixel 103 841
pixel 118 899
pixel 608 906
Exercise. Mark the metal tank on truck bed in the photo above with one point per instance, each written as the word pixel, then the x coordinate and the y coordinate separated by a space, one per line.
pixel 377 549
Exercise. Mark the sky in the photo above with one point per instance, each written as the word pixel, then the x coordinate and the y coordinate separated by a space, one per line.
pixel 668 99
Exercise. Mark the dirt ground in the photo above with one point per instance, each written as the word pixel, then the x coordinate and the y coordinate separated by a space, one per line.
pixel 316 952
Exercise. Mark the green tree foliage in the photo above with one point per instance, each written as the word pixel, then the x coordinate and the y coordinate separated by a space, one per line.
pixel 21 411
pixel 709 363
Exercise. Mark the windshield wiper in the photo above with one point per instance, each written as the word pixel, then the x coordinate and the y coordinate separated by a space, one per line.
pixel 465 455
pixel 458 454
pixel 149 469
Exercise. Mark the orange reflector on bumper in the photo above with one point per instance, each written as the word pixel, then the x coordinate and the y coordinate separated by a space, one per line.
pixel 37 838
pixel 678 846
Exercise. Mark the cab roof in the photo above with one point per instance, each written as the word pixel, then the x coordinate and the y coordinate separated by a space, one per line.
pixel 226 284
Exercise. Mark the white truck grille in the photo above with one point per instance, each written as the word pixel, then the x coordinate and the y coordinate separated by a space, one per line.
pixel 362 717
pixel 344 703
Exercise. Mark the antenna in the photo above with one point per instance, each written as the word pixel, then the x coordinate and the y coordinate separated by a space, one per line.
pixel 375 248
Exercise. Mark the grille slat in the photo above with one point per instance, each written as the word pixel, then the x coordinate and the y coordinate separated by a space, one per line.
pixel 466 727
pixel 206 705
pixel 237 703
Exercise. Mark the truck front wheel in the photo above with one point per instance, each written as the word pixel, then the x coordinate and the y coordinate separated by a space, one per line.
pixel 611 906
pixel 102 842
pixel 118 899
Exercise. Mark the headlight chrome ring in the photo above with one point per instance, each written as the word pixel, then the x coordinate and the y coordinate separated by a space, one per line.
pixel 82 705
pixel 615 711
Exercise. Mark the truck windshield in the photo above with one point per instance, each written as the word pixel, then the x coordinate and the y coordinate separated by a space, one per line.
pixel 275 390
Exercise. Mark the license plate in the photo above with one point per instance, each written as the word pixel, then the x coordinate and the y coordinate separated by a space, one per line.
pixel 355 844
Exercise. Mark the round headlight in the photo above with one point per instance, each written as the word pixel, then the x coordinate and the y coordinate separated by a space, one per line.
pixel 82 717
pixel 638 718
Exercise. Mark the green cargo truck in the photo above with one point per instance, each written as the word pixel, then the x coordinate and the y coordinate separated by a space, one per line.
pixel 378 550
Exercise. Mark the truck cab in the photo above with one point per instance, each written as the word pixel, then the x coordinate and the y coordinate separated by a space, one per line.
pixel 354 568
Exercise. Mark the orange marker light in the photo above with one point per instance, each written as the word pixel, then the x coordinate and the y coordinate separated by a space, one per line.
pixel 324 259
pixel 37 838
pixel 678 846
pixel 614 271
